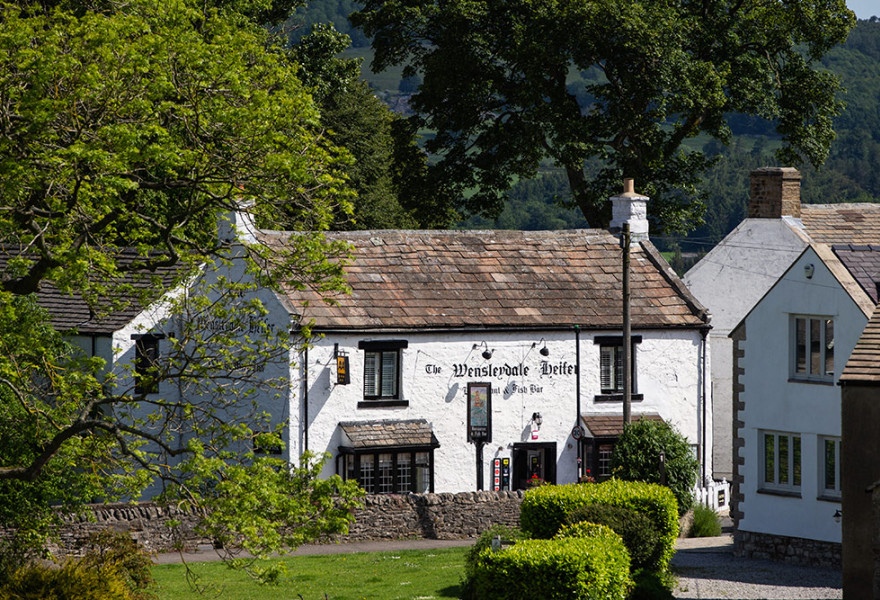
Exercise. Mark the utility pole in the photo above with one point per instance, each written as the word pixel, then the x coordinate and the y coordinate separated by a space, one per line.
pixel 626 346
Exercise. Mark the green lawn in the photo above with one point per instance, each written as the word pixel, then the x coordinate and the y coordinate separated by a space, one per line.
pixel 404 575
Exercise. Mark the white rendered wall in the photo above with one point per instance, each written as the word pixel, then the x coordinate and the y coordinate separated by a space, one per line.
pixel 436 389
pixel 774 403
pixel 729 281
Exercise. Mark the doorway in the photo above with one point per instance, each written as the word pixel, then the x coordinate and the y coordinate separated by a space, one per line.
pixel 533 461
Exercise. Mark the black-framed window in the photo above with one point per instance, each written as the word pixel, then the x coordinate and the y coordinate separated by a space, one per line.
pixel 382 369
pixel 611 367
pixel 597 454
pixel 390 470
pixel 146 363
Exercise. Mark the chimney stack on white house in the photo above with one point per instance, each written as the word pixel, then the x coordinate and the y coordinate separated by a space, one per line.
pixel 237 226
pixel 632 208
pixel 775 192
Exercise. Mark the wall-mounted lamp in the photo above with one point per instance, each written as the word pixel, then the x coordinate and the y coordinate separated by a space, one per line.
pixel 537 419
pixel 809 270
pixel 838 515
pixel 544 351
pixel 487 353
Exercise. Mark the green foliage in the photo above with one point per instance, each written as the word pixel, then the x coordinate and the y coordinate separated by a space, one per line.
pixel 643 541
pixel 706 522
pixel 545 510
pixel 651 585
pixel 132 562
pixel 498 93
pixel 134 128
pixel 509 534
pixel 569 568
pixel 637 455
pixel 74 580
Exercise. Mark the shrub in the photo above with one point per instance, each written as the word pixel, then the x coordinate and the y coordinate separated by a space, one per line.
pixel 706 522
pixel 132 561
pixel 570 568
pixel 483 542
pixel 545 510
pixel 74 580
pixel 636 457
pixel 649 585
pixel 639 534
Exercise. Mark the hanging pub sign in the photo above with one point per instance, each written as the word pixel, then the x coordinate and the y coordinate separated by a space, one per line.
pixel 479 415
pixel 343 377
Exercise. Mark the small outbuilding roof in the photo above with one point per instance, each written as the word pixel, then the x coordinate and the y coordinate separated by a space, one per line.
pixel 388 434
pixel 529 279
pixel 605 425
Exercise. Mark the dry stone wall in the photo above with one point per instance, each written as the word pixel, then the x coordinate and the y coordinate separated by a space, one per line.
pixel 796 551
pixel 431 516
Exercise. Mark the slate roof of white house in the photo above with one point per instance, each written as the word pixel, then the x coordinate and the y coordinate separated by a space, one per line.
pixel 389 433
pixel 449 279
pixel 70 312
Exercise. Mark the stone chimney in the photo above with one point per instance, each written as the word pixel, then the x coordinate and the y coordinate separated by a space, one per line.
pixel 775 193
pixel 632 208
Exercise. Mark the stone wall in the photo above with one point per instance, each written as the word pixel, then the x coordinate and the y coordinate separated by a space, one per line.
pixel 432 516
pixel 796 551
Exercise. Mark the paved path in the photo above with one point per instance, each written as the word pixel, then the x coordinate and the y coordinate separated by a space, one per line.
pixel 706 569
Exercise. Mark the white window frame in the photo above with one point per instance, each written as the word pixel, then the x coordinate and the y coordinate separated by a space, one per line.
pixel 787 477
pixel 803 368
pixel 824 490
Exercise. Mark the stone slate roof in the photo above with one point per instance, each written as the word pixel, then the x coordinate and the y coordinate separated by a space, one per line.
pixel 863 262
pixel 72 313
pixel 529 279
pixel 389 433
pixel 863 365
pixel 601 425
pixel 848 223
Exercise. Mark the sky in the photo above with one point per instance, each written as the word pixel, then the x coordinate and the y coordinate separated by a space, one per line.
pixel 864 9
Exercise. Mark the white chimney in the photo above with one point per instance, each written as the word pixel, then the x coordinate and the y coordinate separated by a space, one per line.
pixel 237 227
pixel 632 208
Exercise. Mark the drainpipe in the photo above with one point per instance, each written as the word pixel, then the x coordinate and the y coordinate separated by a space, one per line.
pixel 577 421
pixel 704 333
pixel 305 411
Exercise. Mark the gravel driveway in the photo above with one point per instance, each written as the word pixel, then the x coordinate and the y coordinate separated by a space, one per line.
pixel 707 569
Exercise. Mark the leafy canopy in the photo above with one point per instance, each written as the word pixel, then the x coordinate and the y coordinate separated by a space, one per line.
pixel 619 86
pixel 127 131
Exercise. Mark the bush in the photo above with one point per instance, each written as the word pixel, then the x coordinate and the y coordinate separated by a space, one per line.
pixel 706 522
pixel 636 457
pixel 545 510
pixel 483 542
pixel 74 580
pixel 652 586
pixel 570 568
pixel 639 534
pixel 131 560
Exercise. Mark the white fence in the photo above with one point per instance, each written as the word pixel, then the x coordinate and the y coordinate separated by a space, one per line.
pixel 715 495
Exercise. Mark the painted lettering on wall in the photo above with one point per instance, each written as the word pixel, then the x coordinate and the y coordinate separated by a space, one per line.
pixel 560 368
pixel 505 370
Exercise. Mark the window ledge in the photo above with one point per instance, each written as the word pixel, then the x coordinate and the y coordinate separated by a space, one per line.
pixel 616 397
pixel 829 498
pixel 383 403
pixel 784 493
pixel 811 381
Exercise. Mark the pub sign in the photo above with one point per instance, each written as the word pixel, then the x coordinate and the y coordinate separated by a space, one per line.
pixel 479 417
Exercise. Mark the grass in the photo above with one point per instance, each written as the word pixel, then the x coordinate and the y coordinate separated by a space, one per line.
pixel 404 575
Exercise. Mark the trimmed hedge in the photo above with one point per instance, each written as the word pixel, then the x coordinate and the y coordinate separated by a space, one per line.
pixel 568 568
pixel 638 532
pixel 546 509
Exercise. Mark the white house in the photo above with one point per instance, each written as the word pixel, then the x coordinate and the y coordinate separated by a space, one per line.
pixel 740 270
pixel 790 350
pixel 465 360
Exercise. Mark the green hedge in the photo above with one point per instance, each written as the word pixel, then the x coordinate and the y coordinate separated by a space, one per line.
pixel 570 568
pixel 639 534
pixel 546 509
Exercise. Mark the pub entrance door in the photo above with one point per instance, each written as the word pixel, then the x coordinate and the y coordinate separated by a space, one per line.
pixel 533 461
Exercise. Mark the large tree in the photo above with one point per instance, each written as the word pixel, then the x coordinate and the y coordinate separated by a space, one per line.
pixel 127 131
pixel 607 88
